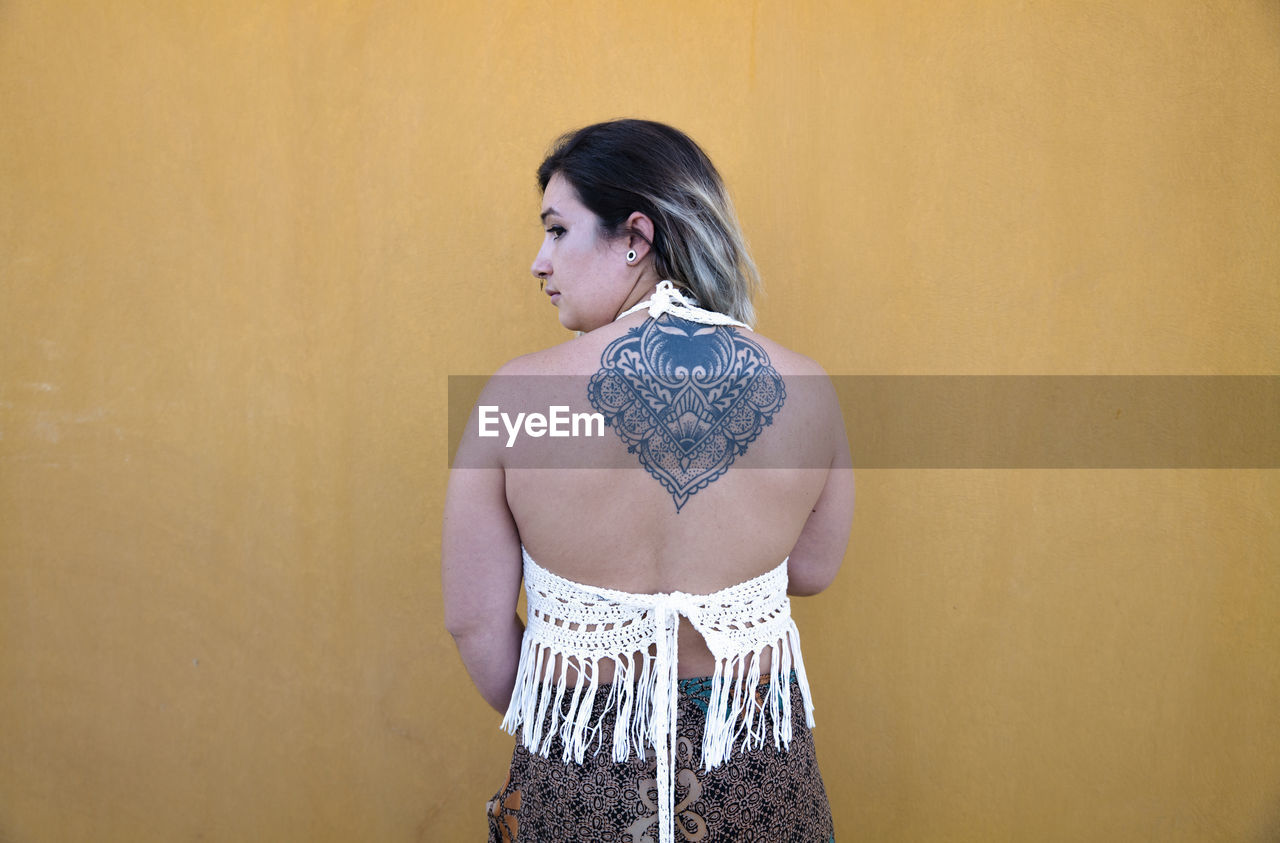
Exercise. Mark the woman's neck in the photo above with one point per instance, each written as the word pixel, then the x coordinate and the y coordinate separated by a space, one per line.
pixel 642 290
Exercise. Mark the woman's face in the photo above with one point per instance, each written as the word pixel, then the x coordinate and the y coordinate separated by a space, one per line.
pixel 586 273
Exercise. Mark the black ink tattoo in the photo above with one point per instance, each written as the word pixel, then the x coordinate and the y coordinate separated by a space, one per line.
pixel 686 398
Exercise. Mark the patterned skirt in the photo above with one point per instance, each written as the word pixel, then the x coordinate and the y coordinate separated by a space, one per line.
pixel 763 794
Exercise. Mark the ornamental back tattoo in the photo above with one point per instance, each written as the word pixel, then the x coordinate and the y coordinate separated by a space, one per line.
pixel 686 398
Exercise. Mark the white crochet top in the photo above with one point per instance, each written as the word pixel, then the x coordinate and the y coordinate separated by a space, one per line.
pixel 583 625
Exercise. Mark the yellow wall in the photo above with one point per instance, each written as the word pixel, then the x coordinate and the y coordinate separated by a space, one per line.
pixel 242 246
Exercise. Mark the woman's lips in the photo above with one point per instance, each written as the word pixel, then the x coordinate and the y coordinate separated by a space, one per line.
pixel 555 297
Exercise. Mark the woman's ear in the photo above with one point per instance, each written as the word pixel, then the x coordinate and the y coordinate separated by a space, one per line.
pixel 640 238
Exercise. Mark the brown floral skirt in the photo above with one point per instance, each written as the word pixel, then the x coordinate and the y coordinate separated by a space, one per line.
pixel 763 794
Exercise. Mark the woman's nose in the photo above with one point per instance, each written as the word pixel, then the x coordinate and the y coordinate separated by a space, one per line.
pixel 541 265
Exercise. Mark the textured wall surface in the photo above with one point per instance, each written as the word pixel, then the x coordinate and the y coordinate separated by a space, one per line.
pixel 242 246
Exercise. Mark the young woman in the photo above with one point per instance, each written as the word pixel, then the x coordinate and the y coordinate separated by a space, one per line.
pixel 658 690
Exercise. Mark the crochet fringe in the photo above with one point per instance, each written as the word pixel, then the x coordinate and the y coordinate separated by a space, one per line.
pixel 736 714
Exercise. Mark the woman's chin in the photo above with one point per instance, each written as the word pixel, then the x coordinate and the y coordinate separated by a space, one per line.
pixel 573 323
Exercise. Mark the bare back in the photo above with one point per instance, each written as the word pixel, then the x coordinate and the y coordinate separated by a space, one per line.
pixel 620 510
pixel 716 454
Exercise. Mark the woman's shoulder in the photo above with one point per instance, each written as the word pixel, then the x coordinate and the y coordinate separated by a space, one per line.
pixel 786 361
pixel 577 356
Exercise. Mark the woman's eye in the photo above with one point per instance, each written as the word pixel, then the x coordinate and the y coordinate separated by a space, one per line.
pixel 555 231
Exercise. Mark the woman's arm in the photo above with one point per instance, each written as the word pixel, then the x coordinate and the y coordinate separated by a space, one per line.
pixel 481 568
pixel 819 551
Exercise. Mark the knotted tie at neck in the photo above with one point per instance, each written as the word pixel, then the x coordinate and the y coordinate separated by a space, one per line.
pixel 667 299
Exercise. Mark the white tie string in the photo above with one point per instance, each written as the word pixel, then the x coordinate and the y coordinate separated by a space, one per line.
pixel 667 298
pixel 669 608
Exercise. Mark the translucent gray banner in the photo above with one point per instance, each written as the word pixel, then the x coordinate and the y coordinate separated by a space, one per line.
pixel 964 421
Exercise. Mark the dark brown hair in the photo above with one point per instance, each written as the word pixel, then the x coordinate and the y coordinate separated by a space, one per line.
pixel 625 166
